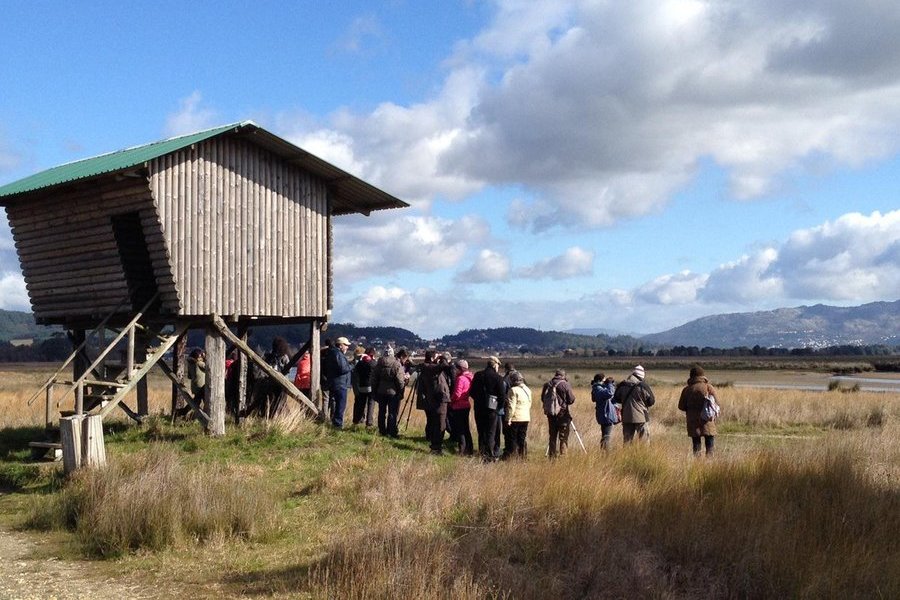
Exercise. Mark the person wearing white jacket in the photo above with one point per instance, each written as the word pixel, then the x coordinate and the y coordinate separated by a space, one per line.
pixel 518 414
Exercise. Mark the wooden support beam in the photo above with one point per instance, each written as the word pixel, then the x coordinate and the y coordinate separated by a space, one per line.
pixel 215 381
pixel 93 450
pixel 184 392
pixel 242 378
pixel 288 386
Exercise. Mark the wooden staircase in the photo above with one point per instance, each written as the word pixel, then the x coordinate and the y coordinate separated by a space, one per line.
pixel 96 391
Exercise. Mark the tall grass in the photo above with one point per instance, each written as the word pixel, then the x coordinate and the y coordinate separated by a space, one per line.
pixel 151 501
pixel 639 522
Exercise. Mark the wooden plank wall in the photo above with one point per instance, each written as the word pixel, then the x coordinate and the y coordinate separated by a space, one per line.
pixel 68 252
pixel 247 233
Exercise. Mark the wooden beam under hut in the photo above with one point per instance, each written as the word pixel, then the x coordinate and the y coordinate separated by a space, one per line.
pixel 287 412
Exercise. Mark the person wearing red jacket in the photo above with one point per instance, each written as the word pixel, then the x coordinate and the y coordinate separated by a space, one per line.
pixel 461 434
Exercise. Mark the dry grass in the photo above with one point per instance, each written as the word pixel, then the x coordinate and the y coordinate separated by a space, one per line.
pixel 801 501
pixel 152 501
pixel 644 521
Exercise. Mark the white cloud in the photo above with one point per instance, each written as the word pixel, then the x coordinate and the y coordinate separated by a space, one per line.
pixel 744 281
pixel 852 258
pixel 13 295
pixel 385 244
pixel 680 288
pixel 190 117
pixel 574 262
pixel 601 110
pixel 489 267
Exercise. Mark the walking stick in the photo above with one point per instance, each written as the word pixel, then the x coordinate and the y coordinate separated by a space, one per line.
pixel 578 435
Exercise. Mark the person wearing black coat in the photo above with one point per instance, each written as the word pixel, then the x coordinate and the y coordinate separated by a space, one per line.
pixel 488 394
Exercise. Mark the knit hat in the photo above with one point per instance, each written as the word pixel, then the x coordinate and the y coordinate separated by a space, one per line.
pixel 638 372
pixel 697 371
pixel 462 364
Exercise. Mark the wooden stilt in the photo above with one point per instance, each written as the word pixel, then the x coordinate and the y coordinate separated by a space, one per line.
pixel 143 396
pixel 215 381
pixel 92 447
pixel 241 366
pixel 178 367
pixel 70 437
pixel 315 372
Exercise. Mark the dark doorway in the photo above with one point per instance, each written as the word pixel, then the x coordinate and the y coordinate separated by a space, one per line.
pixel 135 258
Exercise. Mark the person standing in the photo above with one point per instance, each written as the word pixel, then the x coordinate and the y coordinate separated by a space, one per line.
pixel 196 368
pixel 692 402
pixel 435 382
pixel 487 394
pixel 387 381
pixel 602 391
pixel 460 408
pixel 336 369
pixel 558 393
pixel 635 397
pixel 518 415
pixel 363 400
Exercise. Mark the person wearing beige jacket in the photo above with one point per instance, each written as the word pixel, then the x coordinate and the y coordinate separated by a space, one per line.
pixel 518 414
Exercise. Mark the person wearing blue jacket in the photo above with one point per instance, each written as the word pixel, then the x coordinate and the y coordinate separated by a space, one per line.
pixel 336 369
pixel 602 391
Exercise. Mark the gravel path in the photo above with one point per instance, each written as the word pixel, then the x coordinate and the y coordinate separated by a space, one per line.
pixel 23 576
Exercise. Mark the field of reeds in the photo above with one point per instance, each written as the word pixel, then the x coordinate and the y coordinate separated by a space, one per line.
pixel 801 500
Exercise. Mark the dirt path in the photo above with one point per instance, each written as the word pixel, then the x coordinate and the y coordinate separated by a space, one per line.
pixel 25 576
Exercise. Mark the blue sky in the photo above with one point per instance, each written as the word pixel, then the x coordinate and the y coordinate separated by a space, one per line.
pixel 575 163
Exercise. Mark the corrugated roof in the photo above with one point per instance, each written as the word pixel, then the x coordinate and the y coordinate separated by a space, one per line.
pixel 350 194
pixel 106 163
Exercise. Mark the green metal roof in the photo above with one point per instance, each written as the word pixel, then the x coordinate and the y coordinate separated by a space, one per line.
pixel 109 163
pixel 349 194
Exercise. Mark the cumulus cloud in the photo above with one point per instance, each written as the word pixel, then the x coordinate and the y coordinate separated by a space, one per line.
pixel 855 258
pixel 13 295
pixel 680 288
pixel 384 244
pixel 574 262
pixel 745 280
pixel 191 116
pixel 490 266
pixel 601 110
pixel 852 258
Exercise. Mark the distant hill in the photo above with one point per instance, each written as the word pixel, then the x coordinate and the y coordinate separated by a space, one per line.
pixel 16 325
pixel 522 339
pixel 816 326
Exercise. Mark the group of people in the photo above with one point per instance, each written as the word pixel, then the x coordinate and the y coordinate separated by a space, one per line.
pixel 448 392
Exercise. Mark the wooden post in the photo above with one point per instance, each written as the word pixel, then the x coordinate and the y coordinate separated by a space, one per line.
pixel 179 367
pixel 129 354
pixel 79 366
pixel 93 450
pixel 242 378
pixel 315 366
pixel 48 420
pixel 140 357
pixel 215 381
pixel 70 437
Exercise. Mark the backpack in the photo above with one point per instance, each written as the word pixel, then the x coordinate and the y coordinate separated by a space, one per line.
pixel 612 414
pixel 550 399
pixel 711 409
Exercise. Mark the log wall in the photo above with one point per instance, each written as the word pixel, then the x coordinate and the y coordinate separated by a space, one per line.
pixel 68 252
pixel 247 233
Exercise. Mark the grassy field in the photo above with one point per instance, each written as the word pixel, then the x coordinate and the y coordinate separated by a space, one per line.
pixel 801 501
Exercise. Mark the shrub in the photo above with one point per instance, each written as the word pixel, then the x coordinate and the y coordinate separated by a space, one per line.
pixel 151 501
pixel 834 385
